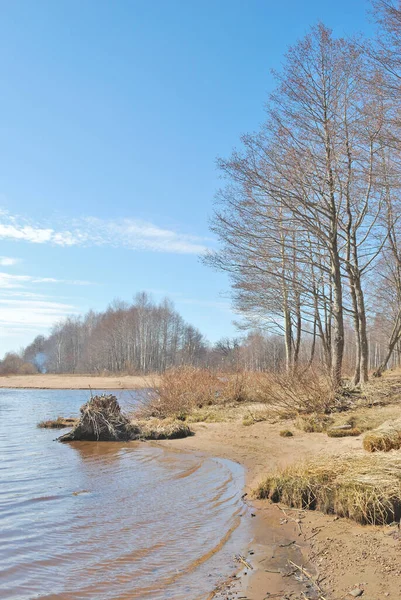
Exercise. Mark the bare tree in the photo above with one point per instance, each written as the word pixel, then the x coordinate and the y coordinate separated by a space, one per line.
pixel 301 205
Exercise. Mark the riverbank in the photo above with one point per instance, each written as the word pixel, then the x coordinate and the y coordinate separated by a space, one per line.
pixel 77 382
pixel 341 555
pixel 291 549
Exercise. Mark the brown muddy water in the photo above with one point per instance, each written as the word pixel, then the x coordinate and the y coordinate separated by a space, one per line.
pixel 109 520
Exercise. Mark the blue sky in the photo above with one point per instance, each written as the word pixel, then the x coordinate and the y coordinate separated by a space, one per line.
pixel 112 114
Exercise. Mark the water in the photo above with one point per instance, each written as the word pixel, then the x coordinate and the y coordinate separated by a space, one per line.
pixel 109 520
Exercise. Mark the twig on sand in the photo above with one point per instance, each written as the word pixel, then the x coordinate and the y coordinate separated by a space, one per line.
pixel 268 571
pixel 297 521
pixel 242 560
pixel 289 574
pixel 286 545
pixel 308 576
pixel 315 533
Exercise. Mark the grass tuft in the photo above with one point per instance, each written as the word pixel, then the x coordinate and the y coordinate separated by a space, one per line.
pixel 161 429
pixel 59 423
pixel 339 433
pixel 314 423
pixel 286 433
pixel 384 438
pixel 364 488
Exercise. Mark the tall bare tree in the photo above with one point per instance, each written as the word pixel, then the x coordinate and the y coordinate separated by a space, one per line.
pixel 302 204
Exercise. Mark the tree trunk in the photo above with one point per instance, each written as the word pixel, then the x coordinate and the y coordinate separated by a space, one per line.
pixel 337 348
pixel 363 335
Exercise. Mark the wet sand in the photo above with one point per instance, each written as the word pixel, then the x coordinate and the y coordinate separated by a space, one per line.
pixel 340 554
pixel 77 382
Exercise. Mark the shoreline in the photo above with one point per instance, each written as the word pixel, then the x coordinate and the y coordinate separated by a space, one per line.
pixel 277 536
pixel 78 382
pixel 339 554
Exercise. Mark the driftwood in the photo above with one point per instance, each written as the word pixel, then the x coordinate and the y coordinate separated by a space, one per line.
pixel 101 419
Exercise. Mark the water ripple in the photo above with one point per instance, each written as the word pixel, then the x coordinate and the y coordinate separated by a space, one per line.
pixel 108 521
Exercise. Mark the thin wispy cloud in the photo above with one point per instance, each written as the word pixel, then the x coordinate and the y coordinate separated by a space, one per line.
pixel 28 314
pixel 25 311
pixel 133 234
pixel 10 281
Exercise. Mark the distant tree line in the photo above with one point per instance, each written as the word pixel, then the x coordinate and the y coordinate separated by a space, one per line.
pixel 145 337
pixel 309 222
pixel 141 337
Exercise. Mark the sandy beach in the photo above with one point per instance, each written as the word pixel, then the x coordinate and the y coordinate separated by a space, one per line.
pixel 341 555
pixel 77 382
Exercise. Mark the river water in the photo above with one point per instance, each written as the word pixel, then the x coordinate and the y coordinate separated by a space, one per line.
pixel 108 520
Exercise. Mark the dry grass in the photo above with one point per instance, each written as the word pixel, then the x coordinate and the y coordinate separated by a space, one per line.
pixel 161 429
pixel 366 418
pixel 195 395
pixel 212 414
pixel 59 423
pixel 314 423
pixel 230 412
pixel 255 413
pixel 181 391
pixel 384 438
pixel 339 433
pixel 364 488
pixel 286 433
pixel 383 391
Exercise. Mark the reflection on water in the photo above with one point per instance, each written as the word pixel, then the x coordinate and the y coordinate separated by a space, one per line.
pixel 108 520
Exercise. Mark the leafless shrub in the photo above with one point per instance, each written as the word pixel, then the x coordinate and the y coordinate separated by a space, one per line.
pixel 180 390
pixel 294 394
pixel 236 387
pixel 13 364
